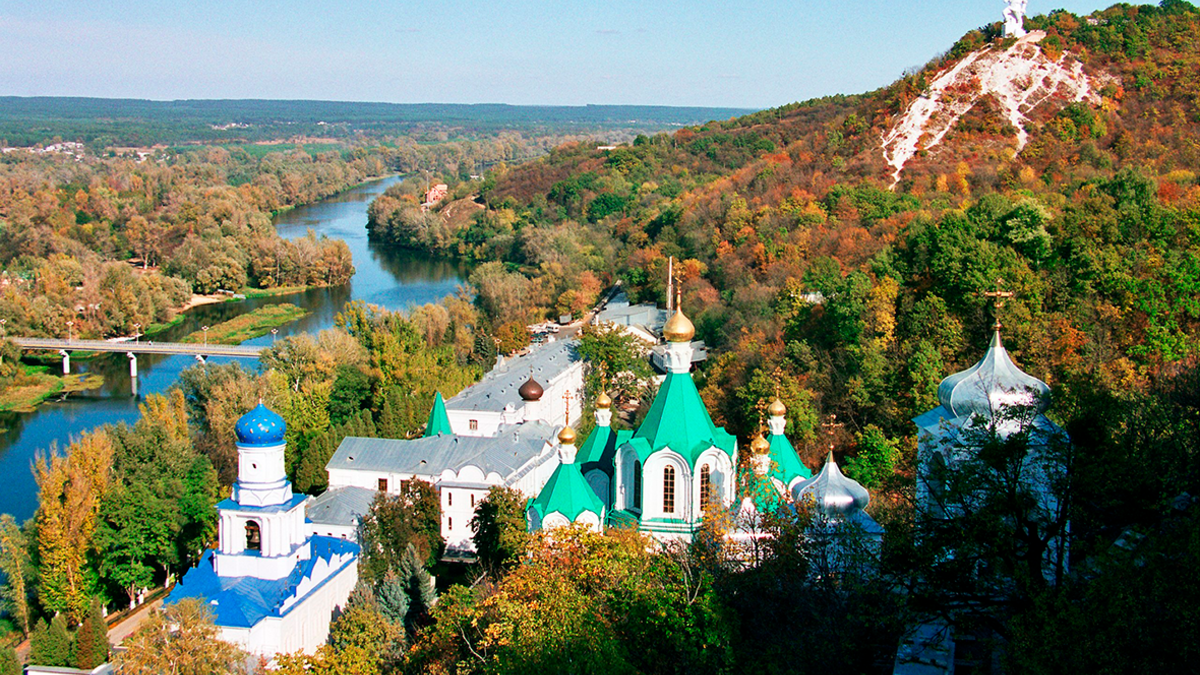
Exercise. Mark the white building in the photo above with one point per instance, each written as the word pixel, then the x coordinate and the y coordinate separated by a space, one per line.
pixel 271 586
pixel 522 389
pixel 462 469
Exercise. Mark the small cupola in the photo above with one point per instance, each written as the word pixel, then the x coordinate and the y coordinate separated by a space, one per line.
pixel 531 390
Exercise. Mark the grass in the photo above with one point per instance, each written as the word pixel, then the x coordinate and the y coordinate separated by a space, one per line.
pixel 250 325
pixel 156 328
pixel 268 292
pixel 35 384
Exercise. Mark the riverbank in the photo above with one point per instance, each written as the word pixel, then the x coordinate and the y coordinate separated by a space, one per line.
pixel 35 385
pixel 248 326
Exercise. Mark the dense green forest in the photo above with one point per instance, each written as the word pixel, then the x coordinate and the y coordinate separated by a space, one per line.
pixel 101 122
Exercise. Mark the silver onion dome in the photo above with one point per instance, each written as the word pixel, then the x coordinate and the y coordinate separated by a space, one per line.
pixel 994 382
pixel 832 491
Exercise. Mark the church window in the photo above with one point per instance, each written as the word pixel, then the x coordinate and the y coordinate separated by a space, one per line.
pixel 669 489
pixel 383 485
pixel 449 523
pixel 637 484
pixel 253 536
pixel 705 485
pixel 449 498
pixel 473 425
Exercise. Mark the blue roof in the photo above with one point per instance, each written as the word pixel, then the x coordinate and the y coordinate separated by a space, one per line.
pixel 260 426
pixel 241 602
pixel 232 505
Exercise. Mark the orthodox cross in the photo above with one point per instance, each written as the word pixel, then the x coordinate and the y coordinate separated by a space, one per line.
pixel 670 282
pixel 999 296
pixel 761 407
pixel 567 408
pixel 831 426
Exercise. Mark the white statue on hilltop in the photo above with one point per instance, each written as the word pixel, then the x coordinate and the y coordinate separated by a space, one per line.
pixel 1014 18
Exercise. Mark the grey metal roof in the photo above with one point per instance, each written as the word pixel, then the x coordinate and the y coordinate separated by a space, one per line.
pixel 341 506
pixel 499 387
pixel 511 448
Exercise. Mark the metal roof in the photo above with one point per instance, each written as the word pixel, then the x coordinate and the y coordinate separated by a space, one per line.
pixel 505 453
pixel 341 506
pixel 499 387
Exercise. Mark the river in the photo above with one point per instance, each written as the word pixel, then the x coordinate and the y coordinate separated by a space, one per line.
pixel 383 276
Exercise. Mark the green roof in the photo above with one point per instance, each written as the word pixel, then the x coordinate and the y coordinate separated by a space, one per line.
pixel 601 447
pixel 439 421
pixel 567 493
pixel 762 490
pixel 679 420
pixel 785 463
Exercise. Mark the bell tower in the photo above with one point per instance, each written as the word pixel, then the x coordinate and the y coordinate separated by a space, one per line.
pixel 262 530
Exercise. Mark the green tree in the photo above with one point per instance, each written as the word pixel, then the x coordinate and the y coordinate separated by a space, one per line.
pixel 614 362
pixel 15 566
pixel 50 645
pixel 393 523
pixel 70 488
pixel 9 663
pixel 501 534
pixel 875 460
pixel 181 640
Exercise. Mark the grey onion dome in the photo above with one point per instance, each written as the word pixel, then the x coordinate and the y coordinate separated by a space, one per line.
pixel 832 491
pixel 994 382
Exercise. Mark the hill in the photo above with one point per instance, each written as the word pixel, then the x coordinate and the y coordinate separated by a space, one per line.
pixel 1062 167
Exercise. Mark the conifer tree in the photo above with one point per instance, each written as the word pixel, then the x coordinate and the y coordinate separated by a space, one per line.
pixel 91 642
pixel 51 645
pixel 9 663
pixel 418 586
pixel 14 565
pixel 393 597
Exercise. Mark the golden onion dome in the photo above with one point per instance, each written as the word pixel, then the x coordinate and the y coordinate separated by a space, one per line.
pixel 777 409
pixel 759 445
pixel 566 436
pixel 679 328
pixel 603 401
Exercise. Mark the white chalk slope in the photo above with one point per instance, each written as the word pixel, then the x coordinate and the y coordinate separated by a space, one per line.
pixel 1020 78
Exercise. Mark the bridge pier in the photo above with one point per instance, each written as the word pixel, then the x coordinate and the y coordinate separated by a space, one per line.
pixel 66 361
pixel 133 375
pixel 202 358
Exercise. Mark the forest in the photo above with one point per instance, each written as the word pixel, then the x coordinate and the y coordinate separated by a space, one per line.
pixel 1092 227
pixel 808 278
pixel 29 121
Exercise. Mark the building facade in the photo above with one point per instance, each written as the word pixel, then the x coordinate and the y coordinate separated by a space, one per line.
pixel 271 584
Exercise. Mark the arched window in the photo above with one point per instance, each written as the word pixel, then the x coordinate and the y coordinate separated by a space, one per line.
pixel 253 536
pixel 705 486
pixel 669 489
pixel 637 484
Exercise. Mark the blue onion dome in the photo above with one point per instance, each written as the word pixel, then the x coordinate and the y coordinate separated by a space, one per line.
pixel 991 384
pixel 832 491
pixel 260 426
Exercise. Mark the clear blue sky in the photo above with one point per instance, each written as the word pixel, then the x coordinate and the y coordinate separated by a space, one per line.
pixel 568 52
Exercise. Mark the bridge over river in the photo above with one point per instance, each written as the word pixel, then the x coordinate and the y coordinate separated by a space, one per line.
pixel 132 349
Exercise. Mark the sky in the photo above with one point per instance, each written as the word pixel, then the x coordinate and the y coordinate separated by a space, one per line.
pixel 753 54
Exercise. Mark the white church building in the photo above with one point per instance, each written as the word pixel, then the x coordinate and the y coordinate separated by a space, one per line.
pixel 271 585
